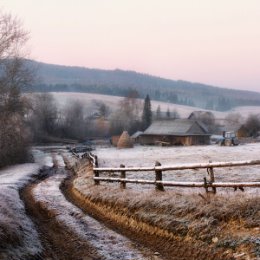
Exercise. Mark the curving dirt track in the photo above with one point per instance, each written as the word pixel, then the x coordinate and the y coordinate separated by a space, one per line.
pixel 58 242
pixel 66 232
pixel 70 229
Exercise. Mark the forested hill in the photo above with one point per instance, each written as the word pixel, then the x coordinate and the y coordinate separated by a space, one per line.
pixel 118 82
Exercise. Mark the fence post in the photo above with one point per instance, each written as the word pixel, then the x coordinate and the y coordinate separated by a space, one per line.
pixel 158 177
pixel 96 161
pixel 205 184
pixel 96 173
pixel 212 177
pixel 122 175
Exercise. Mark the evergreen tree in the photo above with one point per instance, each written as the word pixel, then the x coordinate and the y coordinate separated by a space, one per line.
pixel 168 113
pixel 158 112
pixel 147 113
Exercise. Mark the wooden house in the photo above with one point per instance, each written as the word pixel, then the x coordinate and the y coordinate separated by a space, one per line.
pixel 175 132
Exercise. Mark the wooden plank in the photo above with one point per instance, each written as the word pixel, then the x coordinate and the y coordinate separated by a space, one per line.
pixel 236 184
pixel 183 167
pixel 181 184
pixel 107 179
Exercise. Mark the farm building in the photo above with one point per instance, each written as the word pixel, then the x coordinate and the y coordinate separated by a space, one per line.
pixel 175 132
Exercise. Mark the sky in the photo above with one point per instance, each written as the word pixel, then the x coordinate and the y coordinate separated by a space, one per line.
pixel 216 42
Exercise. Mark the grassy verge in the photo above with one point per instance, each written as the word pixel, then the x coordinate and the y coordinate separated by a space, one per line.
pixel 227 227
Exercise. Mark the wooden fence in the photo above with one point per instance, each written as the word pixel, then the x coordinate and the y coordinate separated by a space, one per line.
pixel 209 185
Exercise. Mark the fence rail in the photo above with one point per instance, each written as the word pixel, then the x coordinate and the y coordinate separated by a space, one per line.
pixel 158 169
pixel 182 167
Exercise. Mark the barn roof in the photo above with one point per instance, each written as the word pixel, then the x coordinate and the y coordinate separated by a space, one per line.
pixel 179 127
pixel 199 113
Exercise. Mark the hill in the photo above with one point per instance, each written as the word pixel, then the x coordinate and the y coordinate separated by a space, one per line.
pixel 90 99
pixel 118 82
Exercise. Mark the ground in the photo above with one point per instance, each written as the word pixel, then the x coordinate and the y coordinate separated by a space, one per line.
pixel 148 155
pixel 226 223
pixel 39 220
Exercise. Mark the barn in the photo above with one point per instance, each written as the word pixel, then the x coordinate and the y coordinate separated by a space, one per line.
pixel 175 132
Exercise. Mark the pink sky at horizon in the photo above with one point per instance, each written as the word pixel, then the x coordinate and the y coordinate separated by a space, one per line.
pixel 206 41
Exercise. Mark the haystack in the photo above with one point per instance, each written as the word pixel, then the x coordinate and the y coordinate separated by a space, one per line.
pixel 124 141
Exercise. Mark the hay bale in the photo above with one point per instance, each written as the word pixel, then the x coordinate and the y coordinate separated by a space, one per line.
pixel 125 141
pixel 115 139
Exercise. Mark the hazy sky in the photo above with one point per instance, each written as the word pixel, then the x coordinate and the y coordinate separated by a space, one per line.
pixel 215 42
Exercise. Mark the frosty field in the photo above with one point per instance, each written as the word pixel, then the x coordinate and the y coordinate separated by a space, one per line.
pixel 89 99
pixel 147 155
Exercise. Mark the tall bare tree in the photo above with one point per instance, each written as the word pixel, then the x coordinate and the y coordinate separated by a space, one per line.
pixel 14 75
pixel 127 117
pixel 253 124
pixel 44 117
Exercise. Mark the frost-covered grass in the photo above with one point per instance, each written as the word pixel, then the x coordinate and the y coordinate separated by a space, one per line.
pixel 106 242
pixel 18 237
pixel 228 220
pixel 147 155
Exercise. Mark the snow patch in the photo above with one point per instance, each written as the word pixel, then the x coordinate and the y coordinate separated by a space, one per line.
pixel 146 156
pixel 18 236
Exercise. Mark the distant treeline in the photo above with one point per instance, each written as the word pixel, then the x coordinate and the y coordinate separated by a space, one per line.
pixel 204 99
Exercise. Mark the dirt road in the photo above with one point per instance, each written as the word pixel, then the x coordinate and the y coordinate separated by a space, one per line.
pixel 65 231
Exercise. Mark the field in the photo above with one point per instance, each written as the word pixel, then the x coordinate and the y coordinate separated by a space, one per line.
pixel 147 155
pixel 185 221
pixel 43 213
pixel 88 100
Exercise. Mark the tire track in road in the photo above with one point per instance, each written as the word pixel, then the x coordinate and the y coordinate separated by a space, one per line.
pixel 108 244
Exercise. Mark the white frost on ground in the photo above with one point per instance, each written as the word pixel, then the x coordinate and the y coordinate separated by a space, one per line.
pixel 108 244
pixel 88 99
pixel 147 155
pixel 42 158
pixel 60 161
pixel 14 223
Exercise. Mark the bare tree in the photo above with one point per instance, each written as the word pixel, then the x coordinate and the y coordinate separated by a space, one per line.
pixel 14 75
pixel 102 109
pixel 175 114
pixel 75 123
pixel 127 117
pixel 234 118
pixel 44 117
pixel 253 125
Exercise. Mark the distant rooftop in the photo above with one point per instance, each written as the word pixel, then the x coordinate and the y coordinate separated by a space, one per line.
pixel 179 127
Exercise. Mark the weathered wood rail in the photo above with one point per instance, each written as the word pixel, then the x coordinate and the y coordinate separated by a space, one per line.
pixel 158 169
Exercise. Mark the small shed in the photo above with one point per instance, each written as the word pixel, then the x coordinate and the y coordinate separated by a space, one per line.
pixel 176 132
pixel 125 141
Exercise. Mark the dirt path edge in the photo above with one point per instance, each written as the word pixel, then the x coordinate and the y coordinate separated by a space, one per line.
pixel 169 245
